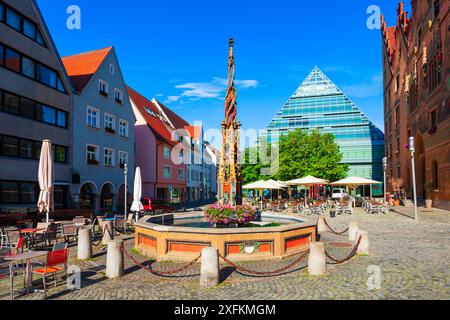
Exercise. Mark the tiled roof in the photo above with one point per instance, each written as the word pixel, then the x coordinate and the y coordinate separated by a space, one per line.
pixel 151 114
pixel 194 131
pixel 81 67
pixel 176 120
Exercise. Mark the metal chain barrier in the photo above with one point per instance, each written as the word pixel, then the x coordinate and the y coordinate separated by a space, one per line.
pixel 351 255
pixel 268 273
pixel 334 231
pixel 158 273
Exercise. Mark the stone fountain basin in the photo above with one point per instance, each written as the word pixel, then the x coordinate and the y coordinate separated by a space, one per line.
pixel 181 243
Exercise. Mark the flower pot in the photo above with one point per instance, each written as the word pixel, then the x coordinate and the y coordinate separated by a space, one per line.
pixel 332 214
pixel 396 203
pixel 428 203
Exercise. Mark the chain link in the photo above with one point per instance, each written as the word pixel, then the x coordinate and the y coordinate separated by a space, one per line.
pixel 334 231
pixel 268 273
pixel 351 255
pixel 158 273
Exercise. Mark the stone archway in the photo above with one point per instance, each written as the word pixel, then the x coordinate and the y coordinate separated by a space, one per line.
pixel 420 164
pixel 107 197
pixel 88 195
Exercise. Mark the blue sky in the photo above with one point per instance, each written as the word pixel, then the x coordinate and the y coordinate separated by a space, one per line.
pixel 176 50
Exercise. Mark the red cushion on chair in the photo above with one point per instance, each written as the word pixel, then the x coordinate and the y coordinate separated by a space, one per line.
pixel 49 270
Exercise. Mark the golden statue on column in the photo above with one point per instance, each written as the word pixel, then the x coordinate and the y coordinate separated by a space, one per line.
pixel 229 181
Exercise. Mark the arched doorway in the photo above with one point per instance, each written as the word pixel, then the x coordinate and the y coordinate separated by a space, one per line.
pixel 121 197
pixel 107 197
pixel 88 195
pixel 420 165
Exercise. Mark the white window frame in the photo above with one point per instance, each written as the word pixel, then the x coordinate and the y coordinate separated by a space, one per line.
pixel 123 155
pixel 120 95
pixel 127 128
pixel 113 152
pixel 113 120
pixel 90 108
pixel 96 153
pixel 106 84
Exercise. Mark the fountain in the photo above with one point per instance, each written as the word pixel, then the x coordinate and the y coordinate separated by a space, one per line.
pixel 182 236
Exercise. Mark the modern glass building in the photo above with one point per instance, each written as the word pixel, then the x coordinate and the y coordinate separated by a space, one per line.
pixel 319 104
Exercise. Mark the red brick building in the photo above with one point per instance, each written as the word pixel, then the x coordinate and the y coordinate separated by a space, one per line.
pixel 416 56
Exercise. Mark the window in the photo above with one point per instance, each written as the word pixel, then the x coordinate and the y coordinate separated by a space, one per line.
pixel 61 119
pixel 103 88
pixel 180 174
pixel 167 152
pixel 60 154
pixel 2 55
pixel 118 96
pixel 123 158
pixel 167 172
pixel 111 68
pixel 435 174
pixel 108 159
pixel 28 192
pixel 433 119
pixel 92 154
pixel 110 123
pixel 92 117
pixel 13 19
pixel 436 8
pixel 12 60
pixel 11 103
pixel 123 128
pixel 48 114
pixel 47 76
pixel 435 73
pixel 9 192
pixel 28 67
pixel 29 29
pixel 29 149
pixel 27 108
pixel 397 115
pixel 397 82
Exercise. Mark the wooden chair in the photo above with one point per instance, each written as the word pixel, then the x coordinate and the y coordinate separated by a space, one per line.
pixel 69 230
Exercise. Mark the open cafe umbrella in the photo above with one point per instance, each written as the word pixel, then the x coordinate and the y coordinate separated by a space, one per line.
pixel 262 185
pixel 45 177
pixel 278 183
pixel 307 181
pixel 353 182
pixel 137 205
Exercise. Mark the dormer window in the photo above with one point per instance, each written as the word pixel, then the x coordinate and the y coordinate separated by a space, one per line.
pixel 103 88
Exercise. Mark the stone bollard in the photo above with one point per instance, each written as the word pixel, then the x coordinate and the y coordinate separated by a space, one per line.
pixel 84 244
pixel 321 226
pixel 317 264
pixel 107 236
pixel 209 272
pixel 114 259
pixel 363 248
pixel 352 230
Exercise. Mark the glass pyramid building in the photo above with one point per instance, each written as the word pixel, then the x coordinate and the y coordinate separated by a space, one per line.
pixel 319 104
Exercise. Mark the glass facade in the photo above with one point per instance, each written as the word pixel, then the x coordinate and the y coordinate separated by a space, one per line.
pixel 319 104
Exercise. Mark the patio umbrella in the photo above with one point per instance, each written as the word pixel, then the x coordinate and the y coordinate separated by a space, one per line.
pixel 279 184
pixel 353 182
pixel 45 177
pixel 262 185
pixel 307 181
pixel 137 205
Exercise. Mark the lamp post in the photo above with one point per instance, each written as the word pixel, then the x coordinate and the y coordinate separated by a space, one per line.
pixel 125 172
pixel 384 174
pixel 412 150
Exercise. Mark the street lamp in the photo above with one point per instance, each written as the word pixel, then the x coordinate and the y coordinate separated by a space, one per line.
pixel 412 150
pixel 125 173
pixel 384 173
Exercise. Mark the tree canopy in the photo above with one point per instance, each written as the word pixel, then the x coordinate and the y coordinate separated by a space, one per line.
pixel 301 154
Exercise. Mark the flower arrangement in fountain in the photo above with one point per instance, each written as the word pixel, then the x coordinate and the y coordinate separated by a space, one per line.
pixel 228 215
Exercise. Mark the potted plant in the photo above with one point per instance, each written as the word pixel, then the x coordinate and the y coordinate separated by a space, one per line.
pixel 428 201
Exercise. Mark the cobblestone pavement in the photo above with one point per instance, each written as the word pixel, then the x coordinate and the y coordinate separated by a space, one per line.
pixel 413 258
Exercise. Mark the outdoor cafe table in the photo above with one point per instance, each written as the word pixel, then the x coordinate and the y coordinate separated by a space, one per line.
pixel 26 257
pixel 29 234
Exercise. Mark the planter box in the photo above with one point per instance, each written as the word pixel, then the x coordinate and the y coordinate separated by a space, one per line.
pixel 110 130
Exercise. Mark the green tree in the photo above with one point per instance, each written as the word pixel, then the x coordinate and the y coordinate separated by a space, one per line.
pixel 251 169
pixel 316 154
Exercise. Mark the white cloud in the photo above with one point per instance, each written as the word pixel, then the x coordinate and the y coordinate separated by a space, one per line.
pixel 172 99
pixel 368 89
pixel 212 89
